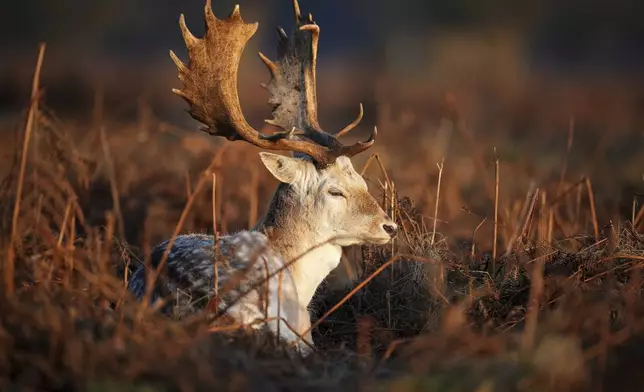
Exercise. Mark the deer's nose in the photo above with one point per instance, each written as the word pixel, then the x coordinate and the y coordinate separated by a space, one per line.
pixel 390 228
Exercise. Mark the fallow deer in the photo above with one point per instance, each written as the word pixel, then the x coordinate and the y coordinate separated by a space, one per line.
pixel 320 205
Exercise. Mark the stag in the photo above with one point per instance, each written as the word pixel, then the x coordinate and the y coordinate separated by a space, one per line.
pixel 320 205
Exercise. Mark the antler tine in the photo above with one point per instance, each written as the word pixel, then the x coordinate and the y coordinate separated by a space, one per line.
pixel 296 11
pixel 282 34
pixel 354 124
pixel 209 14
pixel 188 38
pixel 359 147
pixel 272 68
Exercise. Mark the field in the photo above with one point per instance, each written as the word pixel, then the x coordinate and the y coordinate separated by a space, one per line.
pixel 518 268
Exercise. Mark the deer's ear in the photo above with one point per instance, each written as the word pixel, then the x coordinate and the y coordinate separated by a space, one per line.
pixel 285 169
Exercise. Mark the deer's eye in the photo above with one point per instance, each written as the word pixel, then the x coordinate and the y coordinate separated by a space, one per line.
pixel 336 192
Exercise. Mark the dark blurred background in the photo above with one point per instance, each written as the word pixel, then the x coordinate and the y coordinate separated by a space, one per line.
pixel 123 45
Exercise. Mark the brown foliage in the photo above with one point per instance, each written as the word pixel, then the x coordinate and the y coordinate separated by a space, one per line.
pixel 559 308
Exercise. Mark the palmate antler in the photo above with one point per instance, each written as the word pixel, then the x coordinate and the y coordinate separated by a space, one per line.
pixel 210 87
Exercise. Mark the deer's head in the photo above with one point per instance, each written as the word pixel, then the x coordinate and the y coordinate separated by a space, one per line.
pixel 332 201
pixel 324 188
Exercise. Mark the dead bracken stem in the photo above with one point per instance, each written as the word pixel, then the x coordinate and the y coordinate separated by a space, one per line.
pixel 544 230
pixel 214 303
pixel 219 188
pixel 384 195
pixel 33 112
pixel 279 300
pixel 438 195
pixel 523 221
pixel 392 212
pixel 496 212
pixel 473 248
pixel 61 234
pixel 633 211
pixel 551 223
pixel 71 247
pixel 525 231
pixel 639 217
pixel 382 167
pixel 593 212
pixel 367 164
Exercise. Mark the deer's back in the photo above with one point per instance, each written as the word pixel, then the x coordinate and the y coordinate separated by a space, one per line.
pixel 189 279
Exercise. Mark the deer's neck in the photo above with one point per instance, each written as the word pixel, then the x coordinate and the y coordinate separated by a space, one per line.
pixel 294 236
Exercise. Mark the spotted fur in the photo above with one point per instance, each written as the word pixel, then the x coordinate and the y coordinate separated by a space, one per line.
pixel 313 213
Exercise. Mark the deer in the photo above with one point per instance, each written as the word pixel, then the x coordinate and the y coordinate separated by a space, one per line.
pixel 321 204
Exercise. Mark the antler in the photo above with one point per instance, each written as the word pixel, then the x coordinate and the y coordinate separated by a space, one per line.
pixel 210 87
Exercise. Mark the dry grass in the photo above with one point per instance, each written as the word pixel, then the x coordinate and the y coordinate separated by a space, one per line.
pixel 546 294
